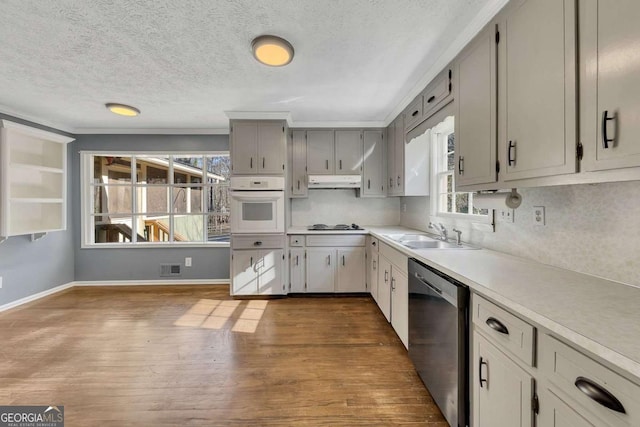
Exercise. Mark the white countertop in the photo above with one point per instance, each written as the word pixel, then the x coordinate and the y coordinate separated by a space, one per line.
pixel 599 315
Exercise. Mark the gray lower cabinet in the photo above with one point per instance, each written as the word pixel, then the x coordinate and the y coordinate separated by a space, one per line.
pixel 258 147
pixel 258 272
pixel 610 114
pixel 297 277
pixel 556 413
pixel 393 290
pixel 384 287
pixel 373 174
pixel 400 304
pixel 537 89
pixel 502 390
pixel 372 267
pixel 350 270
pixel 321 267
pixel 475 121
pixel 349 151
pixel 320 152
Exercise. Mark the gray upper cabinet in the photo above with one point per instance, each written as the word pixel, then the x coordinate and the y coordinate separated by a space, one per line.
pixel 537 89
pixel 320 152
pixel 374 174
pixel 610 111
pixel 258 147
pixel 349 152
pixel 398 156
pixel 271 148
pixel 437 93
pixel 414 113
pixel 391 165
pixel 299 180
pixel 476 123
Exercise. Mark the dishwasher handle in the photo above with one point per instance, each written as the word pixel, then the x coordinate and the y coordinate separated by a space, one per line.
pixel 429 285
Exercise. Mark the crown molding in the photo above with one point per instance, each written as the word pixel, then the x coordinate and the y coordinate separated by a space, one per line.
pixel 486 14
pixel 336 124
pixel 12 112
pixel 260 115
pixel 152 131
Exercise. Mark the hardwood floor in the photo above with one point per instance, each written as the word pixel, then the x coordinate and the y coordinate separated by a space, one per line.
pixel 191 355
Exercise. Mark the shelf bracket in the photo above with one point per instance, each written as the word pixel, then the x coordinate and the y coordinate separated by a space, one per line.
pixel 37 236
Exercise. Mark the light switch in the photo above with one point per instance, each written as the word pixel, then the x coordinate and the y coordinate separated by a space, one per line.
pixel 187 261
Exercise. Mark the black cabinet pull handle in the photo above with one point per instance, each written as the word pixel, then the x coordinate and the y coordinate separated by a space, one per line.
pixel 390 182
pixel 431 99
pixel 482 380
pixel 340 161
pixel 298 184
pixel 251 163
pixel 605 119
pixel 497 325
pixel 510 149
pixel 368 184
pixel 297 260
pixel 251 262
pixel 460 165
pixel 599 394
pixel 263 163
pixel 415 113
pixel 327 164
pixel 343 260
pixel 258 243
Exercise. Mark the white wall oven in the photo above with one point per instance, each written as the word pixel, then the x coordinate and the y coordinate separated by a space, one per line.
pixel 257 204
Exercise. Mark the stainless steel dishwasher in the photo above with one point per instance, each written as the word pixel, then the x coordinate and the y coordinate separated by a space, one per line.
pixel 438 337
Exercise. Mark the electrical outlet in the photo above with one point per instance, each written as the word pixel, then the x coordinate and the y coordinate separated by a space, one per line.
pixel 404 207
pixel 506 215
pixel 187 261
pixel 538 216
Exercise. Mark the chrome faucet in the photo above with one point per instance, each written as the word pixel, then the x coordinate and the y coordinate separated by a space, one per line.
pixel 440 229
pixel 458 233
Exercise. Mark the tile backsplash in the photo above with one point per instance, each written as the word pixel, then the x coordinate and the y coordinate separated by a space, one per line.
pixel 343 207
pixel 591 228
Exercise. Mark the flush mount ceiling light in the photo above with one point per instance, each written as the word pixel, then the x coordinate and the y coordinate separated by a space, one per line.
pixel 122 109
pixel 272 50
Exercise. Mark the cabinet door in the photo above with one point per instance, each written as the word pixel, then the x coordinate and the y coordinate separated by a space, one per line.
pixel 348 152
pixel 556 413
pixel 320 269
pixel 299 168
pixel 398 156
pixel 373 275
pixel 610 36
pixel 384 287
pixel 320 152
pixel 373 173
pixel 503 398
pixel 272 148
pixel 244 272
pixel 244 148
pixel 350 270
pixel 537 65
pixel 296 271
pixel 390 182
pixel 400 305
pixel 475 121
pixel 271 272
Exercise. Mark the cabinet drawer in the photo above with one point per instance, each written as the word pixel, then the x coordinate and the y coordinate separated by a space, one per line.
pixel 336 240
pixel 413 114
pixel 297 240
pixel 572 372
pixel 505 329
pixel 397 258
pixel 257 242
pixel 437 91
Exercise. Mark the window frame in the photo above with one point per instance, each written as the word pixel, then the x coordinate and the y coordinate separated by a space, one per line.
pixel 438 172
pixel 87 200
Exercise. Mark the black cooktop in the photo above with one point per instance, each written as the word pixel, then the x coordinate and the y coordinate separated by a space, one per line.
pixel 325 227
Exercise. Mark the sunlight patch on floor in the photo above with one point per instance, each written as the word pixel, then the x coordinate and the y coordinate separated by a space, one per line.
pixel 214 314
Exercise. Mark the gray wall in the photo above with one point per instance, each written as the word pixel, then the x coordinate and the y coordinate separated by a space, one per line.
pixel 30 267
pixel 105 264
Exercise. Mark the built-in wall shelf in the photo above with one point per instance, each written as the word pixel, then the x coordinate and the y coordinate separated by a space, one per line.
pixel 33 185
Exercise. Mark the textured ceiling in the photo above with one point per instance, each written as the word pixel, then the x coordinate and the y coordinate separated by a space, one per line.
pixel 183 63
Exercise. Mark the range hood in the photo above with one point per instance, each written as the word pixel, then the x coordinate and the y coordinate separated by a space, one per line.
pixel 335 181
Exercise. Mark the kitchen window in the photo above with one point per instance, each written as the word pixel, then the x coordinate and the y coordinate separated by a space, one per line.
pixel 155 199
pixel 448 202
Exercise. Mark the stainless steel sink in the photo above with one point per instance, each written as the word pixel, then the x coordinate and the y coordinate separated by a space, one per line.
pixel 423 241
pixel 410 237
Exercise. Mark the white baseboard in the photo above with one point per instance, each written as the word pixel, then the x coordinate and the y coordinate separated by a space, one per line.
pixel 152 282
pixel 34 297
pixel 60 288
